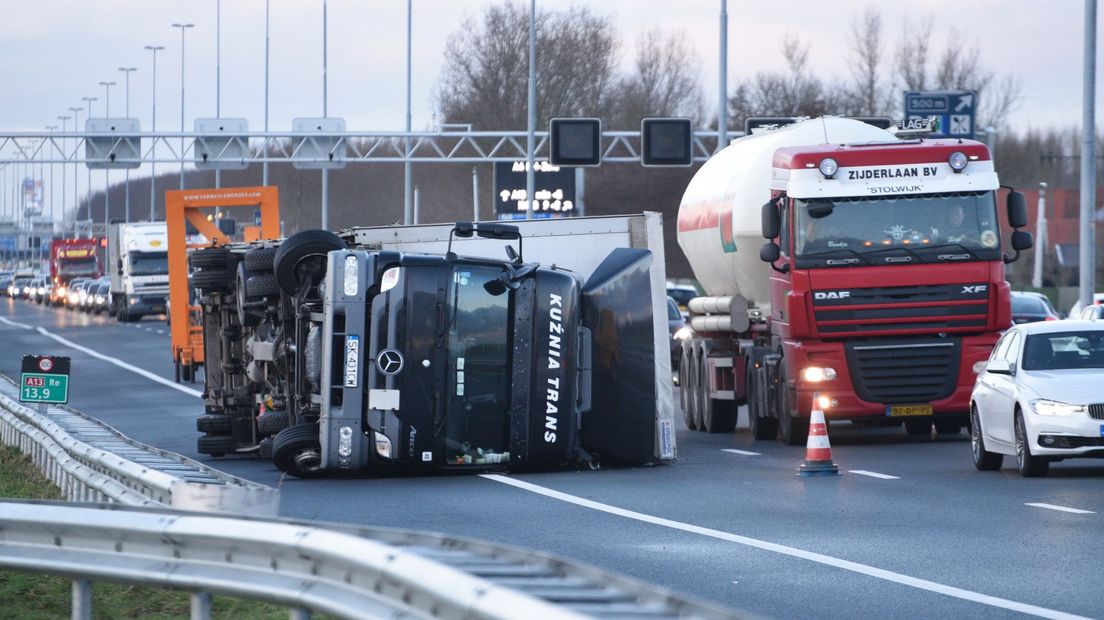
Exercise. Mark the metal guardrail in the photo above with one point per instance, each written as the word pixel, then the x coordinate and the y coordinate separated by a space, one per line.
pixel 347 572
pixel 91 461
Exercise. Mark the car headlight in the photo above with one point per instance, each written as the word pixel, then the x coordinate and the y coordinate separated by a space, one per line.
pixel 1043 406
pixel 683 333
pixel 818 374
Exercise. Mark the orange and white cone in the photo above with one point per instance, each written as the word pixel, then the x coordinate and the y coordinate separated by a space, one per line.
pixel 818 452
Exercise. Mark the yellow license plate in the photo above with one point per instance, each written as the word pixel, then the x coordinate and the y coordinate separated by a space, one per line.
pixel 897 411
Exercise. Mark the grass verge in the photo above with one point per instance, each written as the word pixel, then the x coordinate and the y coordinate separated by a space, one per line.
pixel 30 596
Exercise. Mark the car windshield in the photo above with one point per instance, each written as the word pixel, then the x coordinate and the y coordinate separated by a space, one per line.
pixel 477 416
pixel 80 266
pixel 1064 350
pixel 673 313
pixel 917 228
pixel 1027 305
pixel 149 263
pixel 682 296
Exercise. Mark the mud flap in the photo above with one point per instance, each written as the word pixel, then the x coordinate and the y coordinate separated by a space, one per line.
pixel 617 308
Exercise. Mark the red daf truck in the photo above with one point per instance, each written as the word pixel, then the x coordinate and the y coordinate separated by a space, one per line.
pixel 880 286
pixel 72 258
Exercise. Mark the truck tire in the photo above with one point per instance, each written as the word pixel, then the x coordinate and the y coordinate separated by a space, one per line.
pixel 216 445
pixel 209 280
pixel 258 286
pixel 762 427
pixel 918 427
pixel 213 424
pixel 272 422
pixel 206 258
pixel 260 260
pixel 297 451
pixel 299 247
pixel 793 430
pixel 717 416
pixel 696 388
pixel 686 389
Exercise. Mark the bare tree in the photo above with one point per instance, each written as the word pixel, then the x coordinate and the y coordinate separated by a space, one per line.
pixel 912 53
pixel 867 93
pixel 666 81
pixel 486 68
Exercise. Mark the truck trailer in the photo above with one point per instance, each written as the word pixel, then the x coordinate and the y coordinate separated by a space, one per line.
pixel 880 286
pixel 137 255
pixel 439 348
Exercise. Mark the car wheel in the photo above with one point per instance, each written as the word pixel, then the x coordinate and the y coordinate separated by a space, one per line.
pixel 1030 466
pixel 297 451
pixel 984 460
pixel 297 251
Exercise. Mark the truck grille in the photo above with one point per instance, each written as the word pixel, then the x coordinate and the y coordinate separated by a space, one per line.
pixel 1096 411
pixel 904 371
pixel 942 308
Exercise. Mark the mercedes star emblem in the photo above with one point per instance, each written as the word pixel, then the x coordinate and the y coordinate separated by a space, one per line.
pixel 389 362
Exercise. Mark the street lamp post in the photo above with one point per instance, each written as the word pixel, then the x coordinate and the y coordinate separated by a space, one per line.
pixel 53 210
pixel 218 80
pixel 325 113
pixel 126 181
pixel 63 119
pixel 88 101
pixel 530 143
pixel 153 128
pixel 183 28
pixel 107 173
pixel 264 166
pixel 408 172
pixel 76 176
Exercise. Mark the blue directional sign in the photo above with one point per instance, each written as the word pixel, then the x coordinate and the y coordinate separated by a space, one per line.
pixel 952 112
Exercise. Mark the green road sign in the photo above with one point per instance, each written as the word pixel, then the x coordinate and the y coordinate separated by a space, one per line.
pixel 43 388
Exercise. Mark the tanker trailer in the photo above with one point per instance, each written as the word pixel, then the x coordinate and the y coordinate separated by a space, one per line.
pixel 880 286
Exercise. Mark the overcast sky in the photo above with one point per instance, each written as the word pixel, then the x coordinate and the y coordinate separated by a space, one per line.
pixel 53 52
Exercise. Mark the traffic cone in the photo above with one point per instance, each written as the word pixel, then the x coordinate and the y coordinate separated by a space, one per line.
pixel 818 452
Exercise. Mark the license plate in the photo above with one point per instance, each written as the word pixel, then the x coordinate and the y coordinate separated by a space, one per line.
pixel 897 411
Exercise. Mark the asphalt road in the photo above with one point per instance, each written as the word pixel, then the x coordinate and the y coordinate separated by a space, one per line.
pixel 741 530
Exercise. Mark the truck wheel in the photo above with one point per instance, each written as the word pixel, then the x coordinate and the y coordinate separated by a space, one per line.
pixel 918 427
pixel 209 280
pixel 213 424
pixel 717 416
pixel 301 247
pixel 258 286
pixel 793 430
pixel 761 427
pixel 297 451
pixel 206 258
pixel 948 427
pixel 686 389
pixel 260 260
pixel 216 445
pixel 272 422
pixel 695 389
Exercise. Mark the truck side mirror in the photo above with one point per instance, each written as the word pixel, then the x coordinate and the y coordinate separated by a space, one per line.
pixel 769 252
pixel 1017 210
pixel 771 221
pixel 1021 240
pixel 120 264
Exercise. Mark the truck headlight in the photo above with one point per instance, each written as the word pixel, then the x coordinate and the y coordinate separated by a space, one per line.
pixel 383 446
pixel 345 441
pixel 683 333
pixel 132 300
pixel 352 276
pixel 818 374
pixel 957 161
pixel 62 292
pixel 828 167
pixel 1043 406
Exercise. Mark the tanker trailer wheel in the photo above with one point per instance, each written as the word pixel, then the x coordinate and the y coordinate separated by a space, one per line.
pixel 761 427
pixel 299 250
pixel 793 430
pixel 695 388
pixel 297 451
pixel 717 416
pixel 686 388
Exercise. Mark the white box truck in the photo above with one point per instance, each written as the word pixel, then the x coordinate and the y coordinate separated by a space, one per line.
pixel 139 266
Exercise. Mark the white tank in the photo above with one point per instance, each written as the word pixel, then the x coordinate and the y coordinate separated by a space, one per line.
pixel 719 226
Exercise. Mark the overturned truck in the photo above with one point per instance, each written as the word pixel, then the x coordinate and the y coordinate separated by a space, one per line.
pixel 333 354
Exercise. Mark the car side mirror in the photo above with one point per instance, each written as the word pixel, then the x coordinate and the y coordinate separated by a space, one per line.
pixel 999 367
pixel 1017 209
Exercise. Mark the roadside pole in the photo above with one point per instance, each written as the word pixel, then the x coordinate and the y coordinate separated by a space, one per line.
pixel 1087 258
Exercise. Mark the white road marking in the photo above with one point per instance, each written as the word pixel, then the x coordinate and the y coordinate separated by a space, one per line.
pixel 743 452
pixel 107 358
pixel 1076 511
pixel 161 332
pixel 862 569
pixel 873 474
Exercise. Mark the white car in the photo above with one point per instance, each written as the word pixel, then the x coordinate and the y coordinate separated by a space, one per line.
pixel 1040 396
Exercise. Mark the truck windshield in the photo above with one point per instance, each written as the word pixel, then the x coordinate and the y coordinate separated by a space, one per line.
pixel 900 229
pixel 477 412
pixel 81 266
pixel 149 263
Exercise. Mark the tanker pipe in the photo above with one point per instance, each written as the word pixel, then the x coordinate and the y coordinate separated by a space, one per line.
pixel 719 314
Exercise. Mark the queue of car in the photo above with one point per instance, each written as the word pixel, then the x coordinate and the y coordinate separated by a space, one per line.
pixel 90 295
